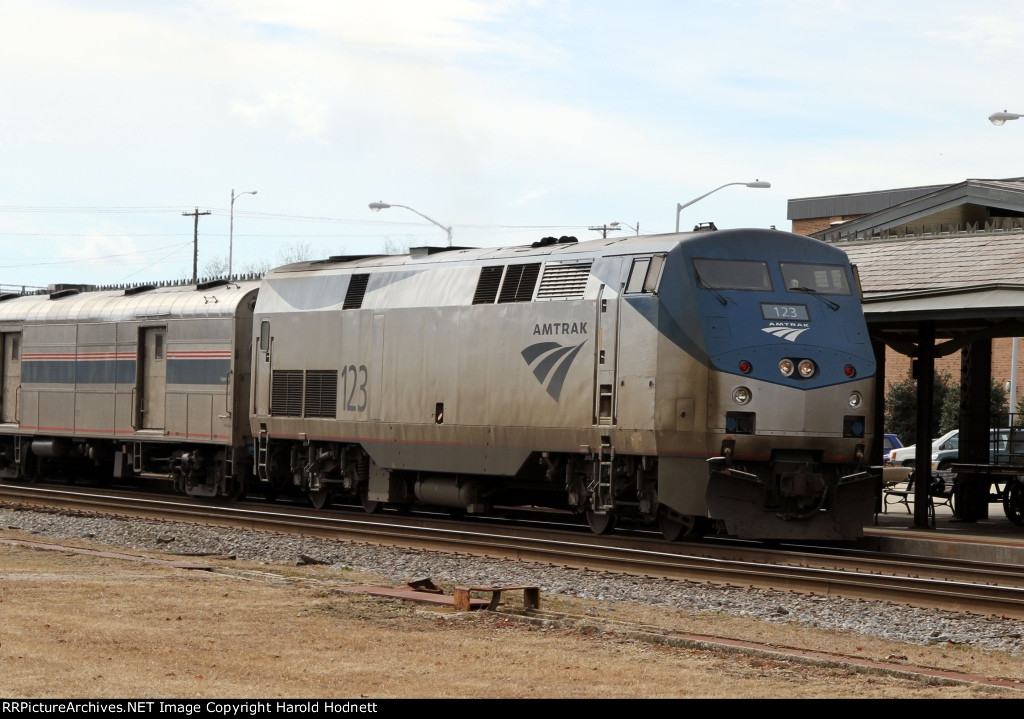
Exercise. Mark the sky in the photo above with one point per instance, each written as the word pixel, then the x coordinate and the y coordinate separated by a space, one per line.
pixel 127 126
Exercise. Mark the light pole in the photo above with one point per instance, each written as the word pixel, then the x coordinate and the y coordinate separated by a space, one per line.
pixel 1000 118
pixel 626 224
pixel 997 119
pixel 755 183
pixel 378 206
pixel 231 227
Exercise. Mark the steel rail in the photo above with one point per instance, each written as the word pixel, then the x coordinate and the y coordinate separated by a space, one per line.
pixel 650 559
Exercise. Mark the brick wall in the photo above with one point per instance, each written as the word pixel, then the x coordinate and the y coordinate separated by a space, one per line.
pixel 897 366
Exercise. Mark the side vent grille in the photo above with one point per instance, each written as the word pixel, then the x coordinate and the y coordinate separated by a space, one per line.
pixel 322 393
pixel 563 281
pixel 487 285
pixel 356 290
pixel 520 281
pixel 286 393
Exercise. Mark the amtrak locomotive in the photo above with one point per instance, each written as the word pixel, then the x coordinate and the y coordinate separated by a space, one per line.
pixel 716 381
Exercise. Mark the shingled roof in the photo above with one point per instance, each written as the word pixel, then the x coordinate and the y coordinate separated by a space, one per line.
pixel 953 256
pixel 938 261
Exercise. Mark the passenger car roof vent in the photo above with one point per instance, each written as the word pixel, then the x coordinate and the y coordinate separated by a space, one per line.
pixel 209 284
pixel 58 294
pixel 138 289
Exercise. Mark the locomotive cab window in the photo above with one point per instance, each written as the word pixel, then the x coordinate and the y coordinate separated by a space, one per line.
pixel 264 336
pixel 823 279
pixel 716 274
pixel 645 274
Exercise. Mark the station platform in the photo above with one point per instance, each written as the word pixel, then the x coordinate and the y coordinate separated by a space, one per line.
pixel 991 539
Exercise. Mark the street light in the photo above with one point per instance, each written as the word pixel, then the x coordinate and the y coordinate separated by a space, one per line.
pixel 1000 118
pixel 378 206
pixel 755 183
pixel 231 227
pixel 997 119
pixel 626 224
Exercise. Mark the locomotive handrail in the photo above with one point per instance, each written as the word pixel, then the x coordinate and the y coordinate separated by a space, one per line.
pixel 134 412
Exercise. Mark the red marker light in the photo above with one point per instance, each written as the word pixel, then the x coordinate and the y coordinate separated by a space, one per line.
pixel 745 367
pixel 849 370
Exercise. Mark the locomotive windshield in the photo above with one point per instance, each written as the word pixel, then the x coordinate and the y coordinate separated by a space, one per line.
pixel 826 279
pixel 732 274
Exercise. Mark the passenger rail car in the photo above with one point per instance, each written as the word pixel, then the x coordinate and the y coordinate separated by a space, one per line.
pixel 130 383
pixel 707 381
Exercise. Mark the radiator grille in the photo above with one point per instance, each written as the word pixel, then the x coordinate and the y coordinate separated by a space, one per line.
pixel 321 393
pixel 520 280
pixel 286 393
pixel 356 291
pixel 487 285
pixel 563 281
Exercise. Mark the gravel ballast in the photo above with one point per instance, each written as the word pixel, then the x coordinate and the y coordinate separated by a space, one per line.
pixel 870 618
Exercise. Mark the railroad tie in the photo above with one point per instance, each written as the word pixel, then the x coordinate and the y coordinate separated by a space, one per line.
pixel 531 596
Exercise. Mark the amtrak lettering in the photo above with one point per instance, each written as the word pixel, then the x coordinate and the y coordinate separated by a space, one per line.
pixel 561 328
pixel 787 330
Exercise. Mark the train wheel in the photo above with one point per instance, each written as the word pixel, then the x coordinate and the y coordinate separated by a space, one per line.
pixel 600 522
pixel 236 493
pixel 1013 501
pixel 676 526
pixel 320 498
pixel 369 505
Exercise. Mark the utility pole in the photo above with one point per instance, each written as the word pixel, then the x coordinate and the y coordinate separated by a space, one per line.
pixel 603 229
pixel 195 241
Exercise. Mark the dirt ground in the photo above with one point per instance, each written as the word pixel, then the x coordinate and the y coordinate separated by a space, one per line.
pixel 90 627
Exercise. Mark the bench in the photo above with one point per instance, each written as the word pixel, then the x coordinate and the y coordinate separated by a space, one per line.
pixel 904 491
pixel 463 602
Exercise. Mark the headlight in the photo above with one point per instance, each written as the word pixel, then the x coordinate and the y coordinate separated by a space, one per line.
pixel 786 367
pixel 855 399
pixel 806 368
pixel 741 395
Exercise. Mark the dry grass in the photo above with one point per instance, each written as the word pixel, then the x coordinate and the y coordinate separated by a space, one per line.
pixel 77 626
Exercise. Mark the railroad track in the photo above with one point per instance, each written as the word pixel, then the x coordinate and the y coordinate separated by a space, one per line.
pixel 917 581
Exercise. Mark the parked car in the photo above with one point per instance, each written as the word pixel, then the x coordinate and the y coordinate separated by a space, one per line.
pixel 889 443
pixel 1006 446
pixel 904 456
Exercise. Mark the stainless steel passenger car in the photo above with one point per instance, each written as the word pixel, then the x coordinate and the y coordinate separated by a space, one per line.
pixel 140 382
pixel 709 381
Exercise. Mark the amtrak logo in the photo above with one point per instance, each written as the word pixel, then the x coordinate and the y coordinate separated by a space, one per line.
pixel 785 333
pixel 551 362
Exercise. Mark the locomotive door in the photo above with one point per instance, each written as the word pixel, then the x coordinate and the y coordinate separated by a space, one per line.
pixel 153 377
pixel 606 357
pixel 261 372
pixel 11 376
